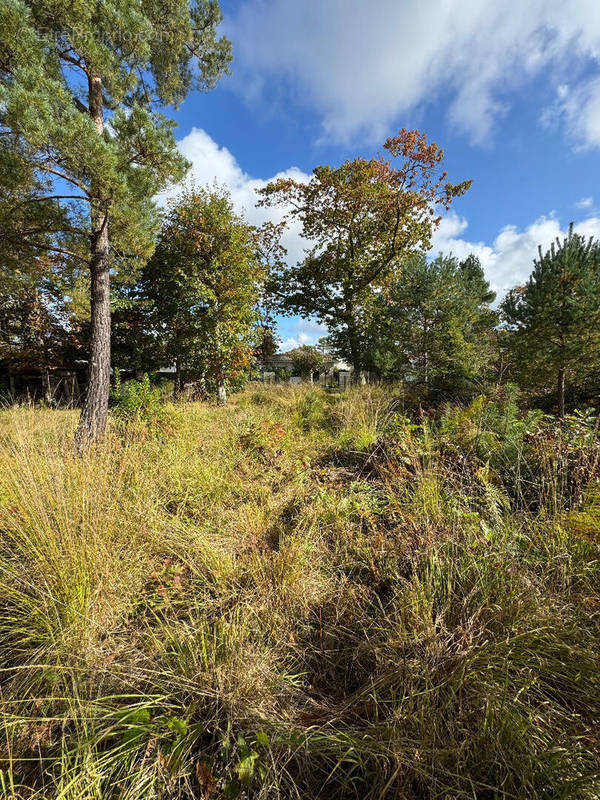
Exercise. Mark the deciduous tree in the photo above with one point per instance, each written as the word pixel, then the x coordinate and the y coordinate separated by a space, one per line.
pixel 205 279
pixel 360 220
pixel 307 360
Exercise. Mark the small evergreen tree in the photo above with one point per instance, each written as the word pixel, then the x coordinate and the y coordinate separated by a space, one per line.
pixel 555 317
pixel 267 340
pixel 432 325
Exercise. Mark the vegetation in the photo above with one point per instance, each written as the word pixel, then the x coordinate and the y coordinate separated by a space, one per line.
pixel 432 327
pixel 67 70
pixel 556 316
pixel 387 592
pixel 361 220
pixel 204 282
pixel 301 595
pixel 307 360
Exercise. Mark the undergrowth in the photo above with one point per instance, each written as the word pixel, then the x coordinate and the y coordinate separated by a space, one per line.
pixel 300 595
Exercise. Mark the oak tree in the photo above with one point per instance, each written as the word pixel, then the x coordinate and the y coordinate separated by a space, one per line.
pixel 360 220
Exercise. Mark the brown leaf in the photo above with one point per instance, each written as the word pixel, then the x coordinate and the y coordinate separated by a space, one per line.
pixel 205 778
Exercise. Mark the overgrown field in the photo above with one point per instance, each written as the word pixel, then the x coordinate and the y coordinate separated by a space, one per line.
pixel 301 596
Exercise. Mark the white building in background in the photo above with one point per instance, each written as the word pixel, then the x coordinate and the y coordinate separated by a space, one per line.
pixel 280 368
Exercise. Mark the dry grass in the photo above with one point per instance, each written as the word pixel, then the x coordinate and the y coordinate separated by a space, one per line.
pixel 300 596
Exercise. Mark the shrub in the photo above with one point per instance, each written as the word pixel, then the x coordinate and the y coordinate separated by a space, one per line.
pixel 136 400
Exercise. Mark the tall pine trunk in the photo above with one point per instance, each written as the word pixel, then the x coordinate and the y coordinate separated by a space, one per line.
pixel 561 392
pixel 92 423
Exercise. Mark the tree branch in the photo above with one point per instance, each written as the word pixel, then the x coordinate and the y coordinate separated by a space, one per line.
pixel 65 177
pixel 60 250
pixel 52 197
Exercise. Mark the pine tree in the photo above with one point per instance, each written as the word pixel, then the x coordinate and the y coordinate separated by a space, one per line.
pixel 432 325
pixel 81 88
pixel 555 317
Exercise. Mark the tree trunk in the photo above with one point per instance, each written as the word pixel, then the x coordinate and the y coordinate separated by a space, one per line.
pixel 47 388
pixel 561 392
pixel 177 387
pixel 92 423
pixel 352 341
pixel 221 392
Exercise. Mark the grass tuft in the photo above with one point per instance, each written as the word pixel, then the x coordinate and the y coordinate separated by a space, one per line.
pixel 301 595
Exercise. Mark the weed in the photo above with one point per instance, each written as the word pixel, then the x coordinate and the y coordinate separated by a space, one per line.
pixel 301 595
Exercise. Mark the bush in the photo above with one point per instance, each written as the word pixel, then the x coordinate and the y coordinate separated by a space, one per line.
pixel 136 400
pixel 541 463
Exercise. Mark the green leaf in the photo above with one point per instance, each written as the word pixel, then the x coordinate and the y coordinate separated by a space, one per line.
pixel 262 739
pixel 245 768
pixel 178 725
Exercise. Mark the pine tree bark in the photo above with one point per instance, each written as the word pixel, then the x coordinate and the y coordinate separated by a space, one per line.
pixel 561 392
pixel 92 422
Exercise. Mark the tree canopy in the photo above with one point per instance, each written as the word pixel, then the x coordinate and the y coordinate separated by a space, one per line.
pixel 360 220
pixel 555 317
pixel 81 91
pixel 204 281
pixel 307 360
pixel 432 325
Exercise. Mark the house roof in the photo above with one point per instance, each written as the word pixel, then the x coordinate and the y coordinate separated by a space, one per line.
pixel 286 358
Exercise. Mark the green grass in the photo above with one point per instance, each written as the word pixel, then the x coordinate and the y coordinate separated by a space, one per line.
pixel 301 595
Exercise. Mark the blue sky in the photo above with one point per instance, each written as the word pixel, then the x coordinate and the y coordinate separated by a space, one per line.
pixel 511 91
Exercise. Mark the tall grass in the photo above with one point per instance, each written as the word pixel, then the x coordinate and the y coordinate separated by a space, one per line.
pixel 301 595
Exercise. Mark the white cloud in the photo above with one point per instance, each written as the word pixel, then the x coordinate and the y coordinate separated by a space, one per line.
pixel 214 164
pixel 508 261
pixel 303 331
pixel 585 202
pixel 292 342
pixel 361 63
pixel 578 108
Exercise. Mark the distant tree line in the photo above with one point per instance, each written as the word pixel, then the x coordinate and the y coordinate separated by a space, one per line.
pixel 204 303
